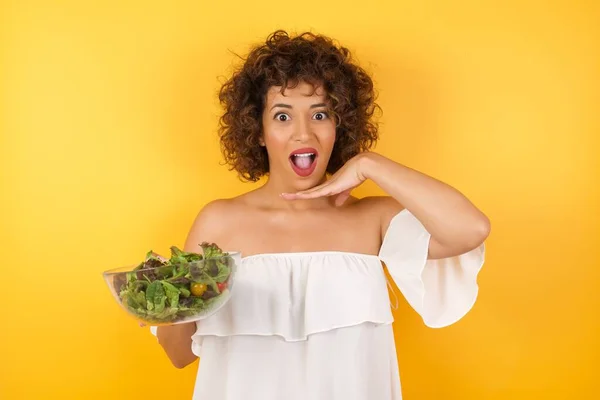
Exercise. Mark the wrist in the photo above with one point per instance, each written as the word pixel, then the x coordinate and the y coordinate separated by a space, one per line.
pixel 369 164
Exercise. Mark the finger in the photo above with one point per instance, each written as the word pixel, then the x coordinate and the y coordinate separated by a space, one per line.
pixel 328 189
pixel 296 195
pixel 323 185
pixel 304 196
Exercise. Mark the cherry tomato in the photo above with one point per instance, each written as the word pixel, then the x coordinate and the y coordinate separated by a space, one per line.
pixel 222 286
pixel 197 289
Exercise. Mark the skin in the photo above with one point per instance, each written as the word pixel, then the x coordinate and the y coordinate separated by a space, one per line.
pixel 292 211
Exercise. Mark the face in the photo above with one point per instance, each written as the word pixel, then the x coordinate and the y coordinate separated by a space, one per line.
pixel 299 134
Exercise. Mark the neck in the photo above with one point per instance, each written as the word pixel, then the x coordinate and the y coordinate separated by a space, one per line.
pixel 274 186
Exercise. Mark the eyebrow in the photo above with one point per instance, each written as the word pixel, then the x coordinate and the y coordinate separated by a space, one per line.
pixel 282 105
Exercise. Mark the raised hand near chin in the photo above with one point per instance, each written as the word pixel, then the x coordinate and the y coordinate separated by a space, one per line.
pixel 340 184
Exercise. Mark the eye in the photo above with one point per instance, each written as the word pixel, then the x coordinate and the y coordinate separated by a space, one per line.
pixel 321 116
pixel 283 117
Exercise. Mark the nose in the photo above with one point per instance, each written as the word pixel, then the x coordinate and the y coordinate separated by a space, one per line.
pixel 302 130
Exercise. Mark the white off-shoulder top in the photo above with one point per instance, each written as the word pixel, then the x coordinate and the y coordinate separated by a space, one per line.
pixel 318 325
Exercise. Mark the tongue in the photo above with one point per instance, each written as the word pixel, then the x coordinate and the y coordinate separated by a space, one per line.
pixel 302 162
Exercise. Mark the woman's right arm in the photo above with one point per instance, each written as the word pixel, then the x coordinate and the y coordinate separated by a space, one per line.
pixel 176 340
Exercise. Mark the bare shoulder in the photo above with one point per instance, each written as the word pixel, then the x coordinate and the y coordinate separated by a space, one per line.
pixel 381 205
pixel 383 208
pixel 212 221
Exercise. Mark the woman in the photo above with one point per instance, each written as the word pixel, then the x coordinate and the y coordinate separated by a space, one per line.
pixel 310 317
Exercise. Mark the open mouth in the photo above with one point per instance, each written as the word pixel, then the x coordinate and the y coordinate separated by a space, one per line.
pixel 303 161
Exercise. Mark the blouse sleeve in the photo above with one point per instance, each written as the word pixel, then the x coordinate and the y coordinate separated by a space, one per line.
pixel 441 291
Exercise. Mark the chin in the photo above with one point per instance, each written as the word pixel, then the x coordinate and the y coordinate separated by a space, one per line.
pixel 308 183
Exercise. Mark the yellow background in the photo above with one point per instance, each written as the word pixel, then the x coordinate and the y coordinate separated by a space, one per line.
pixel 108 119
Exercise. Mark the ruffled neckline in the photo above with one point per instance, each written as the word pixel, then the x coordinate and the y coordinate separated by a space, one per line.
pixel 310 254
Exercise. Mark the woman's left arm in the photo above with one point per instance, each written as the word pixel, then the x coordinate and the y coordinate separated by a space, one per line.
pixel 455 224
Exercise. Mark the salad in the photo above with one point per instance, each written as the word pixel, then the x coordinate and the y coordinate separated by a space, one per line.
pixel 161 290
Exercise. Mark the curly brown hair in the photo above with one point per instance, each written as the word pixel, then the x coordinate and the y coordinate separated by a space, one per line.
pixel 285 61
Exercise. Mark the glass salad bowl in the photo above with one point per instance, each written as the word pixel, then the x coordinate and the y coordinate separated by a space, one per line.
pixel 184 288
